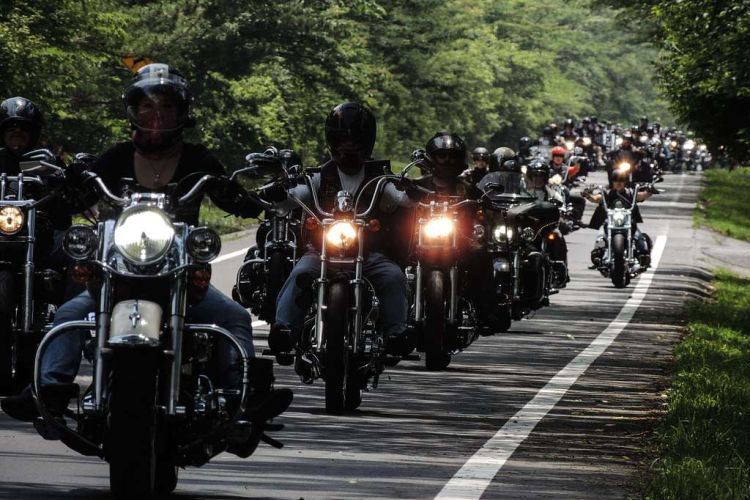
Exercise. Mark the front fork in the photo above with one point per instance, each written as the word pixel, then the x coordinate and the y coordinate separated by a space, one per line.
pixel 452 299
pixel 28 271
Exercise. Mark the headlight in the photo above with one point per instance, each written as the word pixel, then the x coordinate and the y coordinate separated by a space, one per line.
pixel 502 234
pixel 203 244
pixel 79 242
pixel 440 227
pixel 619 220
pixel 342 235
pixel 143 235
pixel 702 147
pixel 688 145
pixel 618 141
pixel 623 167
pixel 587 141
pixel 11 220
pixel 569 145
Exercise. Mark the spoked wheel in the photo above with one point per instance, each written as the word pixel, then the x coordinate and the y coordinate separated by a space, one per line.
pixel 130 444
pixel 435 323
pixel 337 348
pixel 6 332
pixel 619 266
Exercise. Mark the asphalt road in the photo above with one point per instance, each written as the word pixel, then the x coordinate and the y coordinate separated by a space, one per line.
pixel 559 406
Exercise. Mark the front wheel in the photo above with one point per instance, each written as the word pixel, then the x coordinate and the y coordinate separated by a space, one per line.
pixel 130 444
pixel 277 274
pixel 337 347
pixel 619 266
pixel 435 323
pixel 6 333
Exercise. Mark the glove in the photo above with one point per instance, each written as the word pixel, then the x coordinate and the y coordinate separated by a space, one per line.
pixel 411 189
pixel 232 198
pixel 265 163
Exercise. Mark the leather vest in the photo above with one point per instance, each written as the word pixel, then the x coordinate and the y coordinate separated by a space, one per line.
pixel 330 185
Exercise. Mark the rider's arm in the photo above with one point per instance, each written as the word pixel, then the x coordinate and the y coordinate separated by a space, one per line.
pixel 393 198
pixel 594 198
pixel 643 195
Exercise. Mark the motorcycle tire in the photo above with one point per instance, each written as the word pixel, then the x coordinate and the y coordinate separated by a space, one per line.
pixel 619 266
pixel 504 319
pixel 130 439
pixel 436 358
pixel 167 475
pixel 277 274
pixel 6 334
pixel 337 347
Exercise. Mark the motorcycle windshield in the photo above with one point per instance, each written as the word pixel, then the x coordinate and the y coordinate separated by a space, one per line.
pixel 505 187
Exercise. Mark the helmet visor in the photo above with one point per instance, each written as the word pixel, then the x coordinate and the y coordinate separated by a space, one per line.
pixel 158 110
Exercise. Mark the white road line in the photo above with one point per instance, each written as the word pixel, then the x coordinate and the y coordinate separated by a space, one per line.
pixel 478 472
pixel 230 255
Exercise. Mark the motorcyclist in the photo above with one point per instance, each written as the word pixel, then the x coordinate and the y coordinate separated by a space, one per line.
pixel 548 136
pixel 21 126
pixel 525 155
pixel 643 124
pixel 446 154
pixel 568 135
pixel 629 153
pixel 538 174
pixel 619 189
pixel 481 158
pixel 350 131
pixel 157 104
pixel 559 172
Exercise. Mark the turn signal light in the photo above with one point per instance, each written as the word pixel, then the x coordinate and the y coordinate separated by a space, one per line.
pixel 81 273
pixel 551 236
pixel 311 224
pixel 373 225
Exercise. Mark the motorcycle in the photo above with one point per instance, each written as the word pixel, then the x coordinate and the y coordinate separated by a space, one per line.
pixel 268 263
pixel 30 289
pixel 619 261
pixel 339 341
pixel 518 226
pixel 443 316
pixel 156 402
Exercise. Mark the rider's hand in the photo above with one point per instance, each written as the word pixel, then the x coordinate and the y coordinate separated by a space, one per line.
pixel 411 189
pixel 273 193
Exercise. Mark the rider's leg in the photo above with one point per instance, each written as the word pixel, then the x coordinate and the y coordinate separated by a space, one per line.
pixel 390 287
pixel 294 298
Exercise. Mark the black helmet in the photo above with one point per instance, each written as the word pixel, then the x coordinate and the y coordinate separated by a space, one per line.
pixel 499 157
pixel 627 134
pixel 524 144
pixel 350 134
pixel 480 153
pixel 538 172
pixel 23 113
pixel 644 119
pixel 448 154
pixel 547 131
pixel 568 123
pixel 156 126
pixel 586 119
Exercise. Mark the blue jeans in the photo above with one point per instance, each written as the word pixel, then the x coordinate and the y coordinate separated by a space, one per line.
pixel 386 277
pixel 63 356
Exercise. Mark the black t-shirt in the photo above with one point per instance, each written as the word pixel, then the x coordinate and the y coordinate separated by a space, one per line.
pixel 118 163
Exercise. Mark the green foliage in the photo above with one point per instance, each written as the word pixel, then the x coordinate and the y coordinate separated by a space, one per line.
pixel 703 68
pixel 705 439
pixel 268 71
pixel 724 205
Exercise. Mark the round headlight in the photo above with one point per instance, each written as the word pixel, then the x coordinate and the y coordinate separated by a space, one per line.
pixel 502 234
pixel 688 145
pixel 439 227
pixel 587 141
pixel 203 244
pixel 341 235
pixel 11 220
pixel 143 235
pixel 623 167
pixel 79 242
pixel 619 220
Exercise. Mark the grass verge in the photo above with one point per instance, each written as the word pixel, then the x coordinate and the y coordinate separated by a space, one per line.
pixel 724 204
pixel 704 443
